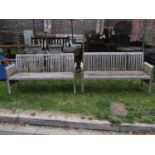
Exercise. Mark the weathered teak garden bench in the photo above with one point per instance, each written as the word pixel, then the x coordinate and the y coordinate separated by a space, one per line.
pixel 116 65
pixel 41 67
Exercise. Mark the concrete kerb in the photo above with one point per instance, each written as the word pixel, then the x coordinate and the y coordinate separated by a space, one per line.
pixel 80 123
pixel 9 118
pixel 140 127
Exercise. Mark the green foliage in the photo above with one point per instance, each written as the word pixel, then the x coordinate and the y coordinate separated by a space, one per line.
pixel 77 51
pixel 12 51
pixel 148 119
pixel 115 119
pixel 123 28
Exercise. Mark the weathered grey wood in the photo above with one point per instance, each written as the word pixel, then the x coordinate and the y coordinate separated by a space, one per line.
pixel 10 70
pixel 55 49
pixel 116 75
pixel 111 61
pixel 42 76
pixel 116 65
pixel 45 62
pixel 34 50
pixel 9 86
pixel 74 81
pixel 42 67
pixel 82 79
pixel 149 89
pixel 148 68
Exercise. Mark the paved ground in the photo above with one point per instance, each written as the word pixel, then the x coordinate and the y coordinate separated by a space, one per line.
pixel 16 129
pixel 62 124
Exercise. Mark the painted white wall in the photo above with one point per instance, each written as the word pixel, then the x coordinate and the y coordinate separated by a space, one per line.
pixel 100 26
pixel 47 25
pixel 27 36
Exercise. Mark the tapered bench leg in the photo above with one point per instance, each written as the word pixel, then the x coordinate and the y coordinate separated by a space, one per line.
pixel 9 86
pixel 149 89
pixel 82 85
pixel 74 86
pixel 141 83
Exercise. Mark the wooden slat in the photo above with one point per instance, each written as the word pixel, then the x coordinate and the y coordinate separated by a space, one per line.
pixel 42 76
pixel 111 61
pixel 116 75
pixel 63 62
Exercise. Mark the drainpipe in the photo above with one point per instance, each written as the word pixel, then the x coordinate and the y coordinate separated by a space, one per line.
pixel 102 26
pixel 98 26
pixel 72 29
pixel 34 29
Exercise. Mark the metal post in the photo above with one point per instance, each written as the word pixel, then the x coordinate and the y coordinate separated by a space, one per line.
pixel 144 33
pixel 83 49
pixel 83 42
pixel 34 28
pixel 17 36
pixel 72 29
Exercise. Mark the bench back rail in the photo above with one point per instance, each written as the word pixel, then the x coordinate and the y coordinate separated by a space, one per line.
pixel 113 61
pixel 45 62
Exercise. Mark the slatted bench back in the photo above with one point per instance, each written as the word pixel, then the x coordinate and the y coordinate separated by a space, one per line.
pixel 45 62
pixel 113 61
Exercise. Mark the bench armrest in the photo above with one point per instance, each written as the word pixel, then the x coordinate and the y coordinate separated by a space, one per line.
pixel 10 70
pixel 148 68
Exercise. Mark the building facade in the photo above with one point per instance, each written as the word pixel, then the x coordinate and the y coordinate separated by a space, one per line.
pixel 65 27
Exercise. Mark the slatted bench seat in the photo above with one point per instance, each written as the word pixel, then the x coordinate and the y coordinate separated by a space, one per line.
pixel 44 75
pixel 116 65
pixel 41 67
pixel 116 75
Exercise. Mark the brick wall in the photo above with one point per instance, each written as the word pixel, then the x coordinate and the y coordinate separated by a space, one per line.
pixel 63 26
pixel 137 25
pixel 59 26
pixel 8 28
pixel 150 33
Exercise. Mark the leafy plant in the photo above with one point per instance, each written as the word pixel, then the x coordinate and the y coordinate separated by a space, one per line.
pixel 114 119
pixel 123 28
